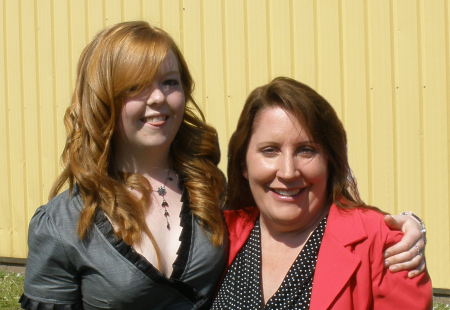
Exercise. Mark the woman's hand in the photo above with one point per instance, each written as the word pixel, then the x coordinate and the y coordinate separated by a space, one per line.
pixel 408 253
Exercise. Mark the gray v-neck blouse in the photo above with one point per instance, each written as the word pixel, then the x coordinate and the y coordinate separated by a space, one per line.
pixel 103 272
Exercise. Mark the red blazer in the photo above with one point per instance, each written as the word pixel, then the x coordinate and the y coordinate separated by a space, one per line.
pixel 350 271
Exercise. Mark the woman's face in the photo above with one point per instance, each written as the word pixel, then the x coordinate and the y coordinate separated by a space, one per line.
pixel 152 117
pixel 286 170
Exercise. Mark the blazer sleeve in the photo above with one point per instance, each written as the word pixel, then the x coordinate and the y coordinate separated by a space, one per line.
pixel 396 290
pixel 50 277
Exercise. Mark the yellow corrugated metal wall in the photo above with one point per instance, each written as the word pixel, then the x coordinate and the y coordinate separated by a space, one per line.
pixel 383 64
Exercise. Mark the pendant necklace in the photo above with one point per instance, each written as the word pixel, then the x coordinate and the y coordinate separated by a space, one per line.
pixel 162 192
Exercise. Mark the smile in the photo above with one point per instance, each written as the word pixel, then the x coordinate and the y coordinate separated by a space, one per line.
pixel 284 192
pixel 154 119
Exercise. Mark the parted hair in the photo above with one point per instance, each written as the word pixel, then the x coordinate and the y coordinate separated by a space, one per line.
pixel 121 58
pixel 323 125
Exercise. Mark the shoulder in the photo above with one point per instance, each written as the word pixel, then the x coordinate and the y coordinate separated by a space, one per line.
pixel 56 219
pixel 351 225
pixel 62 208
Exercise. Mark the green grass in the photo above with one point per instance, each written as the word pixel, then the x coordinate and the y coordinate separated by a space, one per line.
pixel 11 288
pixel 439 306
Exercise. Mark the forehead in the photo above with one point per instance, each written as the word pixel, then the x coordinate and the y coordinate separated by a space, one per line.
pixel 170 63
pixel 275 123
pixel 278 117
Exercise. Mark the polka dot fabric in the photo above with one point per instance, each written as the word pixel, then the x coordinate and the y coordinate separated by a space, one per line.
pixel 241 288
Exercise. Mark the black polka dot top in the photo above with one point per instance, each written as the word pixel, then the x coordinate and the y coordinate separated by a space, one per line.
pixel 241 287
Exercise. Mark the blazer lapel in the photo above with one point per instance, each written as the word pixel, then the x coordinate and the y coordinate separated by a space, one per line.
pixel 336 263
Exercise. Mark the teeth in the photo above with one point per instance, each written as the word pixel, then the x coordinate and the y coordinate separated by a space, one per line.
pixel 155 119
pixel 287 192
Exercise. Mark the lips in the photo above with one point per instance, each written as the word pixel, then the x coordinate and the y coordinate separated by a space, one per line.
pixel 155 120
pixel 286 192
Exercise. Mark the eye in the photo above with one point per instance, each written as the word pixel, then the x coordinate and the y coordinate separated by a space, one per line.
pixel 171 82
pixel 307 151
pixel 133 89
pixel 269 151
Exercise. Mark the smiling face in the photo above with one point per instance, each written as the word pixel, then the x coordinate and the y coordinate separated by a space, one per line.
pixel 286 170
pixel 152 117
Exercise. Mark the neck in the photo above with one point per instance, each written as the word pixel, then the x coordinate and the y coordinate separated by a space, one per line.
pixel 151 163
pixel 291 236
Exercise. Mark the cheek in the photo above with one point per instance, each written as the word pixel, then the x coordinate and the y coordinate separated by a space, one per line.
pixel 318 173
pixel 177 102
pixel 259 171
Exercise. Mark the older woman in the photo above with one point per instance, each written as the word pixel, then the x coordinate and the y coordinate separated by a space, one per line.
pixel 301 237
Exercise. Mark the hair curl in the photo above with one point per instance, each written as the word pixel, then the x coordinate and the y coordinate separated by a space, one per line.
pixel 322 123
pixel 115 61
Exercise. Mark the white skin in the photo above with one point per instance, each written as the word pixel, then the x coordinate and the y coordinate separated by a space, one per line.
pixel 287 173
pixel 147 126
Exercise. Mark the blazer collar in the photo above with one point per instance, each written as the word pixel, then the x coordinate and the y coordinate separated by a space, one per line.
pixel 336 263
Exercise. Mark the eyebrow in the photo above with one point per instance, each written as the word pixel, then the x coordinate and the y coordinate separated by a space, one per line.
pixel 172 72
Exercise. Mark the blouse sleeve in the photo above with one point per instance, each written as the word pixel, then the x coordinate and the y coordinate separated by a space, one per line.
pixel 51 280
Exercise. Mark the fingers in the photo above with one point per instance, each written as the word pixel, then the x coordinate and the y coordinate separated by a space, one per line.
pixel 413 234
pixel 405 249
pixel 408 253
pixel 417 271
pixel 412 260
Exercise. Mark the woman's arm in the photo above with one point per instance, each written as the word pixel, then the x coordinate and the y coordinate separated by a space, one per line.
pixel 50 277
pixel 396 290
pixel 408 253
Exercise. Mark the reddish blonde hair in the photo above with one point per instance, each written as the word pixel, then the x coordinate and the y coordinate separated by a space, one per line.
pixel 118 59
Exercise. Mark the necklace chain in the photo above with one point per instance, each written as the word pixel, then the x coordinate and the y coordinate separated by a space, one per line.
pixel 162 192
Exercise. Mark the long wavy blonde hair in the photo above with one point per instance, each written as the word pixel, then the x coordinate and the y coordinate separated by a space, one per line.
pixel 118 59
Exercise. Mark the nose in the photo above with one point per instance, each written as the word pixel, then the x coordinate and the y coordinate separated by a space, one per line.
pixel 287 169
pixel 156 95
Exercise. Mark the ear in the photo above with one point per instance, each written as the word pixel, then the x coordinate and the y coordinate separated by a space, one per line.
pixel 244 170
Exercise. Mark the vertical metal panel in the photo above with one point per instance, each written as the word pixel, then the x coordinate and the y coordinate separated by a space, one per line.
pixel 355 106
pixel 383 64
pixel 45 96
pixel 131 9
pixel 304 42
pixel 435 119
pixel 31 116
pixel 61 63
pixel 257 43
pixel 193 46
pixel 279 38
pixel 114 13
pixel 235 65
pixel 329 82
pixel 15 128
pixel 151 11
pixel 95 16
pixel 408 104
pixel 381 100
pixel 214 62
pixel 5 169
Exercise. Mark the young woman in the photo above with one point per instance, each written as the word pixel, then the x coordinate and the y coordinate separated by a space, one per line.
pixel 140 226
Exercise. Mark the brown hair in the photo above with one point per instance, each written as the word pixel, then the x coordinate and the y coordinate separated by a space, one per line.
pixel 324 127
pixel 122 57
